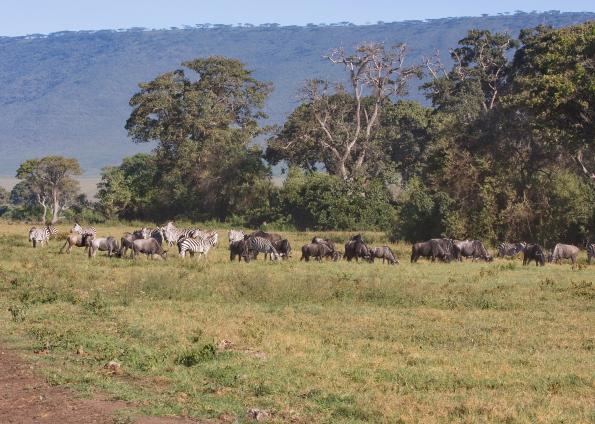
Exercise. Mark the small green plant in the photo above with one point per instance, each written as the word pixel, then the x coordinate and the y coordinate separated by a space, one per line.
pixel 194 356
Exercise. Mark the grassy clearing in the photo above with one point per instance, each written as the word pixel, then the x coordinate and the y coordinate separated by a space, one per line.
pixel 330 342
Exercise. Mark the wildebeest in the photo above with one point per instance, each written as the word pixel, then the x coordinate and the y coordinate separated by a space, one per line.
pixel 104 244
pixel 336 255
pixel 148 246
pixel 127 241
pixel 73 240
pixel 533 252
pixel 565 251
pixel 315 250
pixel 236 248
pixel 356 248
pixel 283 248
pixel 385 253
pixel 471 249
pixel 433 249
pixel 510 249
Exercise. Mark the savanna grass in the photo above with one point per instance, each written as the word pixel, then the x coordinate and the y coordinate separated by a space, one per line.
pixel 311 342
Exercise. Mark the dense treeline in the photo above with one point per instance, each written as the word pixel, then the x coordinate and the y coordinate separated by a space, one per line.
pixel 505 151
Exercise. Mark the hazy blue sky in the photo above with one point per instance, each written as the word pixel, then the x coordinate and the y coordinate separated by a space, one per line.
pixel 19 17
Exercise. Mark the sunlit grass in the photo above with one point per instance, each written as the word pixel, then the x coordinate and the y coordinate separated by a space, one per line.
pixel 312 342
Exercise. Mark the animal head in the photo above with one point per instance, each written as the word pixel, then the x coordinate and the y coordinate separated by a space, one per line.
pixel 76 228
pixel 145 233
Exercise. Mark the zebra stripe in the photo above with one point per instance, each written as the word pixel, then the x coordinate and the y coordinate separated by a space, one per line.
pixel 590 252
pixel 84 231
pixel 41 235
pixel 235 235
pixel 172 234
pixel 510 249
pixel 196 245
pixel 260 245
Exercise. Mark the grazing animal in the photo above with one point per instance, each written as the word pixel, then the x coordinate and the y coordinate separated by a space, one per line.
pixel 257 244
pixel 73 240
pixel 235 235
pixel 236 248
pixel 103 244
pixel 590 252
pixel 510 249
pixel 565 251
pixel 336 255
pixel 283 248
pixel 272 237
pixel 172 234
pixel 149 247
pixel 41 235
pixel 317 251
pixel 157 234
pixel 356 248
pixel 82 231
pixel 471 249
pixel 143 233
pixel 533 252
pixel 126 242
pixel 196 245
pixel 384 253
pixel 433 249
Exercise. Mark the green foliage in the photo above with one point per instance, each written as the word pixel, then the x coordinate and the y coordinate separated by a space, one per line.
pixel 423 214
pixel 50 182
pixel 319 201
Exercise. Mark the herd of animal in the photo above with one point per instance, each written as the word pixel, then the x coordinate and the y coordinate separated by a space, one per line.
pixel 248 246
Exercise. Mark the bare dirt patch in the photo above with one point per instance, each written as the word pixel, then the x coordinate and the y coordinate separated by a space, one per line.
pixel 25 397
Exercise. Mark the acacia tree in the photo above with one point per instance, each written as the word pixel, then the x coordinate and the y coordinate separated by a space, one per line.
pixel 203 118
pixel 50 181
pixel 341 121
pixel 478 77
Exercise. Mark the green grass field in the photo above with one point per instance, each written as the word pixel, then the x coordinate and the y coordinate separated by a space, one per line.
pixel 311 342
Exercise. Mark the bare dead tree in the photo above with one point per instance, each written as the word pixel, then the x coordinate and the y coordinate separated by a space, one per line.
pixel 589 174
pixel 375 75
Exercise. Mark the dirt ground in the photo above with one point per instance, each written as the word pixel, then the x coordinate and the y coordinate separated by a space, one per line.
pixel 26 397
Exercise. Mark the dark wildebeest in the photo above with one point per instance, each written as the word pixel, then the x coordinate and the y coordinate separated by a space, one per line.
pixel 148 246
pixel 103 244
pixel 471 249
pixel 433 249
pixel 336 255
pixel 533 252
pixel 510 249
pixel 73 240
pixel 356 248
pixel 315 250
pixel 127 241
pixel 236 248
pixel 384 253
pixel 565 251
pixel 283 248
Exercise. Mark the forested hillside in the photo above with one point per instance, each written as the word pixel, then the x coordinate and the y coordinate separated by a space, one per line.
pixel 67 93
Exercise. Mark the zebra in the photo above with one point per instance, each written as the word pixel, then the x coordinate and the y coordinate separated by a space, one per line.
pixel 235 235
pixel 510 249
pixel 590 252
pixel 83 231
pixel 256 244
pixel 42 235
pixel 172 234
pixel 196 245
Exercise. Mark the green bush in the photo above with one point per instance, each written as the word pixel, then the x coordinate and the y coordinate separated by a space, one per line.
pixel 319 201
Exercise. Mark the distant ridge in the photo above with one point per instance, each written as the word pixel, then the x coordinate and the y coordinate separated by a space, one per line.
pixel 67 92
